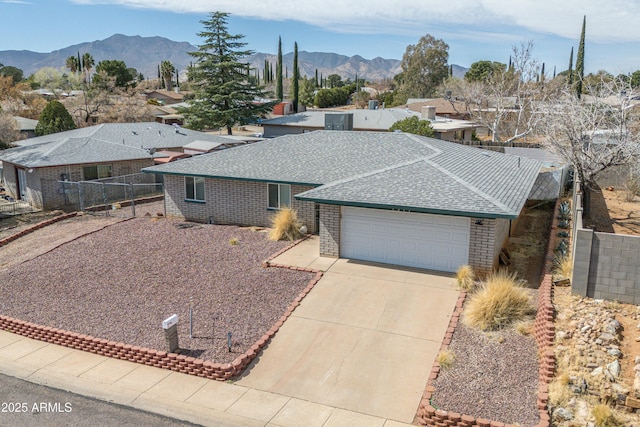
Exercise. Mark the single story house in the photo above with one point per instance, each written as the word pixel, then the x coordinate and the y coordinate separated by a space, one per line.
pixel 26 127
pixel 166 97
pixel 387 197
pixel 380 119
pixel 33 170
pixel 445 108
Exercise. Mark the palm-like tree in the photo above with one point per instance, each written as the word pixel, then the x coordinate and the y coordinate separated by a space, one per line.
pixel 166 71
pixel 87 64
pixel 72 64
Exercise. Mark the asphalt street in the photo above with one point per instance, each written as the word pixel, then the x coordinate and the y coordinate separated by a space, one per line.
pixel 24 404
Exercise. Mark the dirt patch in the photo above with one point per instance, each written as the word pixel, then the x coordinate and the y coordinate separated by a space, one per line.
pixel 10 225
pixel 612 213
pixel 528 242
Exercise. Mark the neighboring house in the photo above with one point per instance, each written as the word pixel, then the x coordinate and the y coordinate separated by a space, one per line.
pixel 166 97
pixel 26 127
pixel 33 171
pixel 449 109
pixel 366 120
pixel 387 197
pixel 166 115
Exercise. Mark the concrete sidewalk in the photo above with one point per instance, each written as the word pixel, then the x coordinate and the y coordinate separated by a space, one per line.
pixel 175 395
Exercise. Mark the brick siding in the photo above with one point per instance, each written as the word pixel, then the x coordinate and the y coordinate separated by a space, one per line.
pixel 330 230
pixel 45 192
pixel 485 243
pixel 232 202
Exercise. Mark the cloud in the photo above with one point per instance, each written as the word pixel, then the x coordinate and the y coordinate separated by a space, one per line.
pixel 607 21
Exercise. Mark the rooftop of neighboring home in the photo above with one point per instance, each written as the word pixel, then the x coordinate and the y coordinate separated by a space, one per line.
pixel 380 119
pixel 102 143
pixel 377 169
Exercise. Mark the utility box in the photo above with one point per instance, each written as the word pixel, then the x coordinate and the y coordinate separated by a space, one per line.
pixel 170 326
pixel 338 121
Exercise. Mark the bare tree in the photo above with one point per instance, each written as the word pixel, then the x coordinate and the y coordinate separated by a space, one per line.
pixel 8 130
pixel 86 105
pixel 596 132
pixel 510 101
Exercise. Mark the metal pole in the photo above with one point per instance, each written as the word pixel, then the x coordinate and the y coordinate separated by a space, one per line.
pixel 133 197
pixel 191 317
pixel 80 201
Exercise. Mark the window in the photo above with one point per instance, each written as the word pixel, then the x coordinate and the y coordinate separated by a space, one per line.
pixel 279 196
pixel 96 172
pixel 194 188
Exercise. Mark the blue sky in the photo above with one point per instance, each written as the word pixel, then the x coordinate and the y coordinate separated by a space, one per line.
pixel 473 29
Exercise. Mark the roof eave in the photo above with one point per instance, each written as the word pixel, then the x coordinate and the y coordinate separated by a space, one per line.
pixel 415 209
pixel 233 178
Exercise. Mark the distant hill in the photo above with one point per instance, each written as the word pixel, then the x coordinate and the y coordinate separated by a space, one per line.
pixel 145 54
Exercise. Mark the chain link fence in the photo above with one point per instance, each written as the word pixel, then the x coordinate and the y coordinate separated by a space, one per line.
pixel 112 196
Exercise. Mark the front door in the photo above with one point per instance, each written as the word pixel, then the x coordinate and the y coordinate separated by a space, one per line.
pixel 22 185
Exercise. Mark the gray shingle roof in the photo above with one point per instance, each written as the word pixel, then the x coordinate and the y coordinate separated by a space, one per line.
pixel 102 143
pixel 380 119
pixel 313 158
pixel 70 151
pixel 378 169
pixel 141 135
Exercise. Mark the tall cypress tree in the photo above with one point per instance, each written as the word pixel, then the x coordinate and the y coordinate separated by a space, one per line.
pixel 317 81
pixel 570 71
pixel 296 76
pixel 222 96
pixel 580 60
pixel 279 93
pixel 542 73
pixel 79 63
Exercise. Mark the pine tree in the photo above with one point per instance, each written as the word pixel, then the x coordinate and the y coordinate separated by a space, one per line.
pixel 296 77
pixel 279 89
pixel 54 118
pixel 580 60
pixel 222 95
pixel 570 71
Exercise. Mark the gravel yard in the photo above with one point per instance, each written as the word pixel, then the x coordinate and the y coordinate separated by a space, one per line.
pixel 120 283
pixel 494 376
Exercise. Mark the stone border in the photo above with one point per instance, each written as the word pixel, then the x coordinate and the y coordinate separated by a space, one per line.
pixel 146 356
pixel 544 333
pixel 38 226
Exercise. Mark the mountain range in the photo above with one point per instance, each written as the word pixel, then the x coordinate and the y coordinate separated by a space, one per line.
pixel 145 54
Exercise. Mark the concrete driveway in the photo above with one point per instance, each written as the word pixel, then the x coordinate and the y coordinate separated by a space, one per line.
pixel 364 339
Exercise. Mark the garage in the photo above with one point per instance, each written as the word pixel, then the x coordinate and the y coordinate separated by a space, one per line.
pixel 435 242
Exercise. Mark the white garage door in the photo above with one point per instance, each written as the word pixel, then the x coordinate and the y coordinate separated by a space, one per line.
pixel 434 242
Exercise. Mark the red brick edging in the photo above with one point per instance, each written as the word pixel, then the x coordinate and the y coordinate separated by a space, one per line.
pixel 544 333
pixel 37 226
pixel 146 356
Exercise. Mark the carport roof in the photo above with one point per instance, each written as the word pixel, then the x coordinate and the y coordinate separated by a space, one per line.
pixel 385 170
